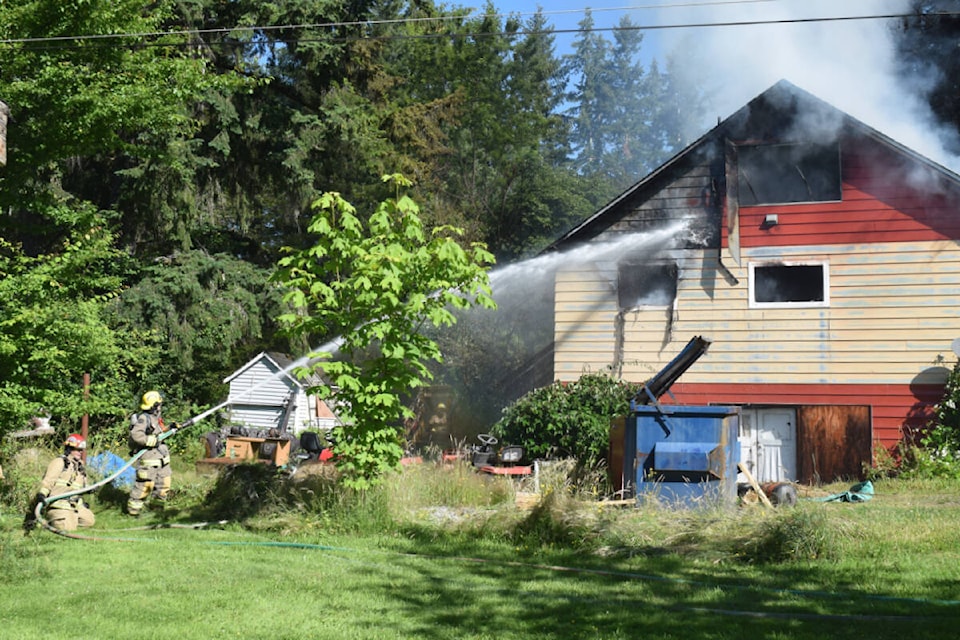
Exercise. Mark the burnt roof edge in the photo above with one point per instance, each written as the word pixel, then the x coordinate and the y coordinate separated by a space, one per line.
pixel 572 236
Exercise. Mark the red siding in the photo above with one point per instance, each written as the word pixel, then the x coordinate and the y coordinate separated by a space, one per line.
pixel 897 410
pixel 884 199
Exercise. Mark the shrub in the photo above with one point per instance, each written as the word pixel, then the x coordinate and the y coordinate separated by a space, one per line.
pixel 938 455
pixel 567 419
pixel 243 491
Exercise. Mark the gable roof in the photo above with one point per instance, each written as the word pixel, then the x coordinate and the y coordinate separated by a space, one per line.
pixel 283 363
pixel 772 113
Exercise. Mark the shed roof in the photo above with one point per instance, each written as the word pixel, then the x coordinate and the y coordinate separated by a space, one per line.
pixel 283 363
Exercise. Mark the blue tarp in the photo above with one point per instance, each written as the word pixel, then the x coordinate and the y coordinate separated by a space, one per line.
pixel 860 492
pixel 106 464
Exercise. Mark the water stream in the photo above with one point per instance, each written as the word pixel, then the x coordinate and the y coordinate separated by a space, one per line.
pixel 524 295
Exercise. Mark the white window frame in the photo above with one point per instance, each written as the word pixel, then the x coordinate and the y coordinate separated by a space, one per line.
pixel 810 304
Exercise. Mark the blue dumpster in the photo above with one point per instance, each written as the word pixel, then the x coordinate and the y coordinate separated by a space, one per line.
pixel 675 453
pixel 683 455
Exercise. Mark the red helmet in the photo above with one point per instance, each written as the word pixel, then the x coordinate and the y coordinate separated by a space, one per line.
pixel 75 441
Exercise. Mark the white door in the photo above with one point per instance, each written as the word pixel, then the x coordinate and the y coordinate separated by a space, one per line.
pixel 768 442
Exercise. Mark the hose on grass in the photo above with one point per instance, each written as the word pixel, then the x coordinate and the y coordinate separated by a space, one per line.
pixel 42 505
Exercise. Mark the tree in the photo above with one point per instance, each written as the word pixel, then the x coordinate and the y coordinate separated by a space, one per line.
pixel 101 155
pixel 99 118
pixel 620 114
pixel 320 115
pixel 52 332
pixel 374 286
pixel 201 315
pixel 929 64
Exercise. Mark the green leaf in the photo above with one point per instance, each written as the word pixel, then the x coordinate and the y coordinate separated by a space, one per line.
pixel 383 283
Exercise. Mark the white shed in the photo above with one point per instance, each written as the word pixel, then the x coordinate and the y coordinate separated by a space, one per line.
pixel 265 394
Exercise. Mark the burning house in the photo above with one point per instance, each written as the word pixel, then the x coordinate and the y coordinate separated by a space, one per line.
pixel 819 256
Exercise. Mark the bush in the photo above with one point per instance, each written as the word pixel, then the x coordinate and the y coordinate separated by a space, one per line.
pixel 567 420
pixel 938 455
pixel 243 491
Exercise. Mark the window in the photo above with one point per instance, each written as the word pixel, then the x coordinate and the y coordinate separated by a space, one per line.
pixel 787 284
pixel 646 284
pixel 783 173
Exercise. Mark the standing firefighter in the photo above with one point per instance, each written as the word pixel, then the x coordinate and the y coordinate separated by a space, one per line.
pixel 153 467
pixel 65 474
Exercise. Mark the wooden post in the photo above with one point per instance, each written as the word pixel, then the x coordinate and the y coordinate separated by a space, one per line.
pixel 756 487
pixel 85 420
pixel 4 116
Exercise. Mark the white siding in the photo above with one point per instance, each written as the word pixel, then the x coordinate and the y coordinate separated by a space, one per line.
pixel 258 393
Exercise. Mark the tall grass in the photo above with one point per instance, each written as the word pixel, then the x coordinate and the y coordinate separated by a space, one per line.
pixel 445 552
pixel 436 502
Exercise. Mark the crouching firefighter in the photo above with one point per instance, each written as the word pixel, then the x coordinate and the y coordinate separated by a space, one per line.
pixel 65 474
pixel 153 467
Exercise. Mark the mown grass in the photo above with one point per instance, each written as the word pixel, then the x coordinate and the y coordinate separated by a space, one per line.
pixel 445 553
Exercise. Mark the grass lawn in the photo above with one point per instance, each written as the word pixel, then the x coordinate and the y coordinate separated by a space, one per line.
pixel 891 569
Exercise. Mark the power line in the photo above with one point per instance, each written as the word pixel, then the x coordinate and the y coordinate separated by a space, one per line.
pixel 681 5
pixel 370 23
pixel 473 34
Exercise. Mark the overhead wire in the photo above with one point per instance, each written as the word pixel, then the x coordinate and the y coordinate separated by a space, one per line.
pixel 454 17
pixel 71 40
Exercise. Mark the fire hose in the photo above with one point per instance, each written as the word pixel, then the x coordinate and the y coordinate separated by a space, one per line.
pixel 42 505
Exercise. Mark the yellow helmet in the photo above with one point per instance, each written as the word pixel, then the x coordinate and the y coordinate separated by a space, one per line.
pixel 150 400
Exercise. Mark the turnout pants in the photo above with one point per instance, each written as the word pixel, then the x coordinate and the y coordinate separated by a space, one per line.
pixel 153 479
pixel 69 519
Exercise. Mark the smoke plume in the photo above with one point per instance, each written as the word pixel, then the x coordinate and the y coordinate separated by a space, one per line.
pixel 850 64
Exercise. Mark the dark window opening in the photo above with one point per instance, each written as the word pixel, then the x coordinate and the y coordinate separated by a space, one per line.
pixel 781 173
pixel 646 284
pixel 789 283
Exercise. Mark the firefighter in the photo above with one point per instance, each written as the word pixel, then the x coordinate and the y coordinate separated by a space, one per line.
pixel 438 425
pixel 153 467
pixel 65 474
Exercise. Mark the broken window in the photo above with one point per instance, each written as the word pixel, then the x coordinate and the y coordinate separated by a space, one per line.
pixel 646 284
pixel 783 173
pixel 789 284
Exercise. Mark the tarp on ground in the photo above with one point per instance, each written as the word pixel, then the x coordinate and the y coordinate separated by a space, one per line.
pixel 860 492
pixel 105 464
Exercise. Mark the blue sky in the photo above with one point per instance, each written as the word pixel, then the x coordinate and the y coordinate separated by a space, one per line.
pixel 566 15
pixel 848 63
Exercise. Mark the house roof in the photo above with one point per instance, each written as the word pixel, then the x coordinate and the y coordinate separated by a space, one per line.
pixel 781 98
pixel 282 362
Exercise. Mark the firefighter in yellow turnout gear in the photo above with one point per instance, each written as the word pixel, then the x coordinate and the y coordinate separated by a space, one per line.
pixel 66 474
pixel 153 467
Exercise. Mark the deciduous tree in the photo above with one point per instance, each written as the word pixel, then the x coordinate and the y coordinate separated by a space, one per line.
pixel 375 284
pixel 52 332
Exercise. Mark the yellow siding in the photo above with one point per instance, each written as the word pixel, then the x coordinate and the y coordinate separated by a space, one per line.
pixel 894 311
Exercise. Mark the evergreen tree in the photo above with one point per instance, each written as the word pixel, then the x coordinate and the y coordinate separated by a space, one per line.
pixel 625 119
pixel 927 44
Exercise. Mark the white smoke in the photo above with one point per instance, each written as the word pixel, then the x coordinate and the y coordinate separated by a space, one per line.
pixel 850 64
